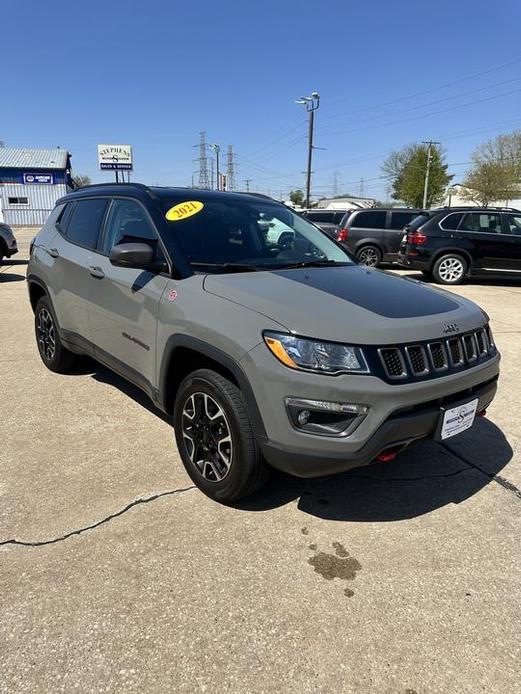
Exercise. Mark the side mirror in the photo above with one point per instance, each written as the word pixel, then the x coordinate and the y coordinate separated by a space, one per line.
pixel 136 255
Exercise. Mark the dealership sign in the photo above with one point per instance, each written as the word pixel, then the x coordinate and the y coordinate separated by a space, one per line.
pixel 115 157
pixel 47 179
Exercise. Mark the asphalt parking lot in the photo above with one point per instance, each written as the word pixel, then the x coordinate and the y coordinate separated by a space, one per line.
pixel 116 575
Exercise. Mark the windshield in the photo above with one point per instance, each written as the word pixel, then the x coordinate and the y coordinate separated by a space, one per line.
pixel 227 236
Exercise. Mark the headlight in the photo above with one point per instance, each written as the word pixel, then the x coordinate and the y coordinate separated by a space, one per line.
pixel 314 355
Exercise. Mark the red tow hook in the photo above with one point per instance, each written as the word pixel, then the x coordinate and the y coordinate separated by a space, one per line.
pixel 483 413
pixel 387 455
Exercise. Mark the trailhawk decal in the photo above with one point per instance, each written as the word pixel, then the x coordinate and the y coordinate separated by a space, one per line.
pixel 183 210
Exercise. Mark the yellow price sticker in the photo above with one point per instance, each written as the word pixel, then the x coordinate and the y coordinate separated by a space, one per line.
pixel 183 210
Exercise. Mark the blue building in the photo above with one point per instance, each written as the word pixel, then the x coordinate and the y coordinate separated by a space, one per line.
pixel 31 180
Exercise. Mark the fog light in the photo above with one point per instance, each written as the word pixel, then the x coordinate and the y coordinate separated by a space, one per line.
pixel 324 417
pixel 303 417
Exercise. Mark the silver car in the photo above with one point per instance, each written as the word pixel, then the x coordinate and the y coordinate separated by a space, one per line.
pixel 264 354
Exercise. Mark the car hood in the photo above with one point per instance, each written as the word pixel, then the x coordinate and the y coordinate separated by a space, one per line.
pixel 349 304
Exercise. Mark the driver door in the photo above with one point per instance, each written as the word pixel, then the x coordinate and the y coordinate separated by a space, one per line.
pixel 124 302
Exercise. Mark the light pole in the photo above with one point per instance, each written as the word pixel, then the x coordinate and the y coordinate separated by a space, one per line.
pixel 429 144
pixel 217 149
pixel 311 103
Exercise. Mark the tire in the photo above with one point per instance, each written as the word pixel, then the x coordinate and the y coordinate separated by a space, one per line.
pixel 427 274
pixel 53 354
pixel 450 268
pixel 211 421
pixel 370 256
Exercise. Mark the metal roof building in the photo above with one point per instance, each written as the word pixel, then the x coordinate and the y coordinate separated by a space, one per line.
pixel 31 180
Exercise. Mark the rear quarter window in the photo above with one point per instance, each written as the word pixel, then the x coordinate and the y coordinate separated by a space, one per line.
pixel 401 219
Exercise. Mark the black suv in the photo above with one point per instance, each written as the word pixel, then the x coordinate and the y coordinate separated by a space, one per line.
pixel 374 235
pixel 327 220
pixel 453 243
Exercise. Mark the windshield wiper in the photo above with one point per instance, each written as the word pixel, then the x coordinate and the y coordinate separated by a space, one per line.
pixel 314 263
pixel 227 267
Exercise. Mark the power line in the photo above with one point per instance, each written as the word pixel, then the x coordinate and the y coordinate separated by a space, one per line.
pixel 432 103
pixel 434 89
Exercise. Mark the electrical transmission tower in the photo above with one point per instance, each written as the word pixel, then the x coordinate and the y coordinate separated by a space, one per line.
pixel 336 178
pixel 361 188
pixel 230 169
pixel 204 179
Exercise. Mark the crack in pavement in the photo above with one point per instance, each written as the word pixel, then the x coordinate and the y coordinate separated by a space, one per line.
pixel 494 478
pixel 92 526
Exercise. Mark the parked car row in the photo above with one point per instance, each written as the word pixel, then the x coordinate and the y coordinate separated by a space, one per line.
pixel 447 244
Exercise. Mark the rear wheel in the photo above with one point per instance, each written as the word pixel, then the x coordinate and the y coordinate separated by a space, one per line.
pixel 450 268
pixel 370 256
pixel 215 437
pixel 54 355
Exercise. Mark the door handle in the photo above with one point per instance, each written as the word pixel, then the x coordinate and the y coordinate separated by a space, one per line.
pixel 53 252
pixel 96 271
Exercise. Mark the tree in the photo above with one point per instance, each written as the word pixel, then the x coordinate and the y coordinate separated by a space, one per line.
pixel 297 197
pixel 80 181
pixel 405 168
pixel 495 173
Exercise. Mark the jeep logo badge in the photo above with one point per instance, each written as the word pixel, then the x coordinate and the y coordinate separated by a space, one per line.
pixel 450 328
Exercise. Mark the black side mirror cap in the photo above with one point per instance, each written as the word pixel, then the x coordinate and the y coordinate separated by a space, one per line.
pixel 135 255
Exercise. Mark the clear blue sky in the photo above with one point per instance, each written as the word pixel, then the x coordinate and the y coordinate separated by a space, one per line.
pixel 155 73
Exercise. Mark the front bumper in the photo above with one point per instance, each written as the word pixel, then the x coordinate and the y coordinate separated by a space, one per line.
pixel 398 414
pixel 398 432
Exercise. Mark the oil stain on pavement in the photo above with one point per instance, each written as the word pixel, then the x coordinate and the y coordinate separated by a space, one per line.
pixel 338 565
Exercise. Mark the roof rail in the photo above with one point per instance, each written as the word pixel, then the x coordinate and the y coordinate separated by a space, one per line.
pixel 141 186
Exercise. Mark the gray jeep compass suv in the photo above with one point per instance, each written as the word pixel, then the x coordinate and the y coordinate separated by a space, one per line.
pixel 290 355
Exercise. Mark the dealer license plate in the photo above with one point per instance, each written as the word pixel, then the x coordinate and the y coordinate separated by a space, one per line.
pixel 458 419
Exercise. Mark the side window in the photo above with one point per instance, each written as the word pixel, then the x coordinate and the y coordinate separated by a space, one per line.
pixel 482 222
pixel 85 222
pixel 514 223
pixel 370 220
pixel 401 219
pixel 451 221
pixel 128 222
pixel 338 217
pixel 64 217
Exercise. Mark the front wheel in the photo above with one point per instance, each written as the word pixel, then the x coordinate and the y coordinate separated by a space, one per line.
pixel 450 269
pixel 369 256
pixel 215 437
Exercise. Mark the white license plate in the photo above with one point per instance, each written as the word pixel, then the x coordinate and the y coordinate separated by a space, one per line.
pixel 458 419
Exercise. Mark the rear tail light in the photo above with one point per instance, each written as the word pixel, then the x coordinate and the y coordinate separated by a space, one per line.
pixel 416 237
pixel 342 234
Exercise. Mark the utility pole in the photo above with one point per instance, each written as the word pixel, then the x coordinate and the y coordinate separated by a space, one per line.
pixel 311 103
pixel 217 149
pixel 429 144
pixel 247 181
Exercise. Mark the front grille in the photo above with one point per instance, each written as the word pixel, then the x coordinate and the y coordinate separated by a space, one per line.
pixel 431 359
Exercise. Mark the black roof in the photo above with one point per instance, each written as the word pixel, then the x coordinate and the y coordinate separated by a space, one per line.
pixel 139 190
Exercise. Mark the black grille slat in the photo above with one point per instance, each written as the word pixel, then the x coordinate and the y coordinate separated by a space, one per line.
pixel 393 362
pixel 439 356
pixel 471 351
pixel 417 360
pixel 455 351
pixel 481 342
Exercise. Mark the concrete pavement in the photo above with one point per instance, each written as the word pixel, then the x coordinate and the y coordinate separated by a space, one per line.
pixel 117 576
